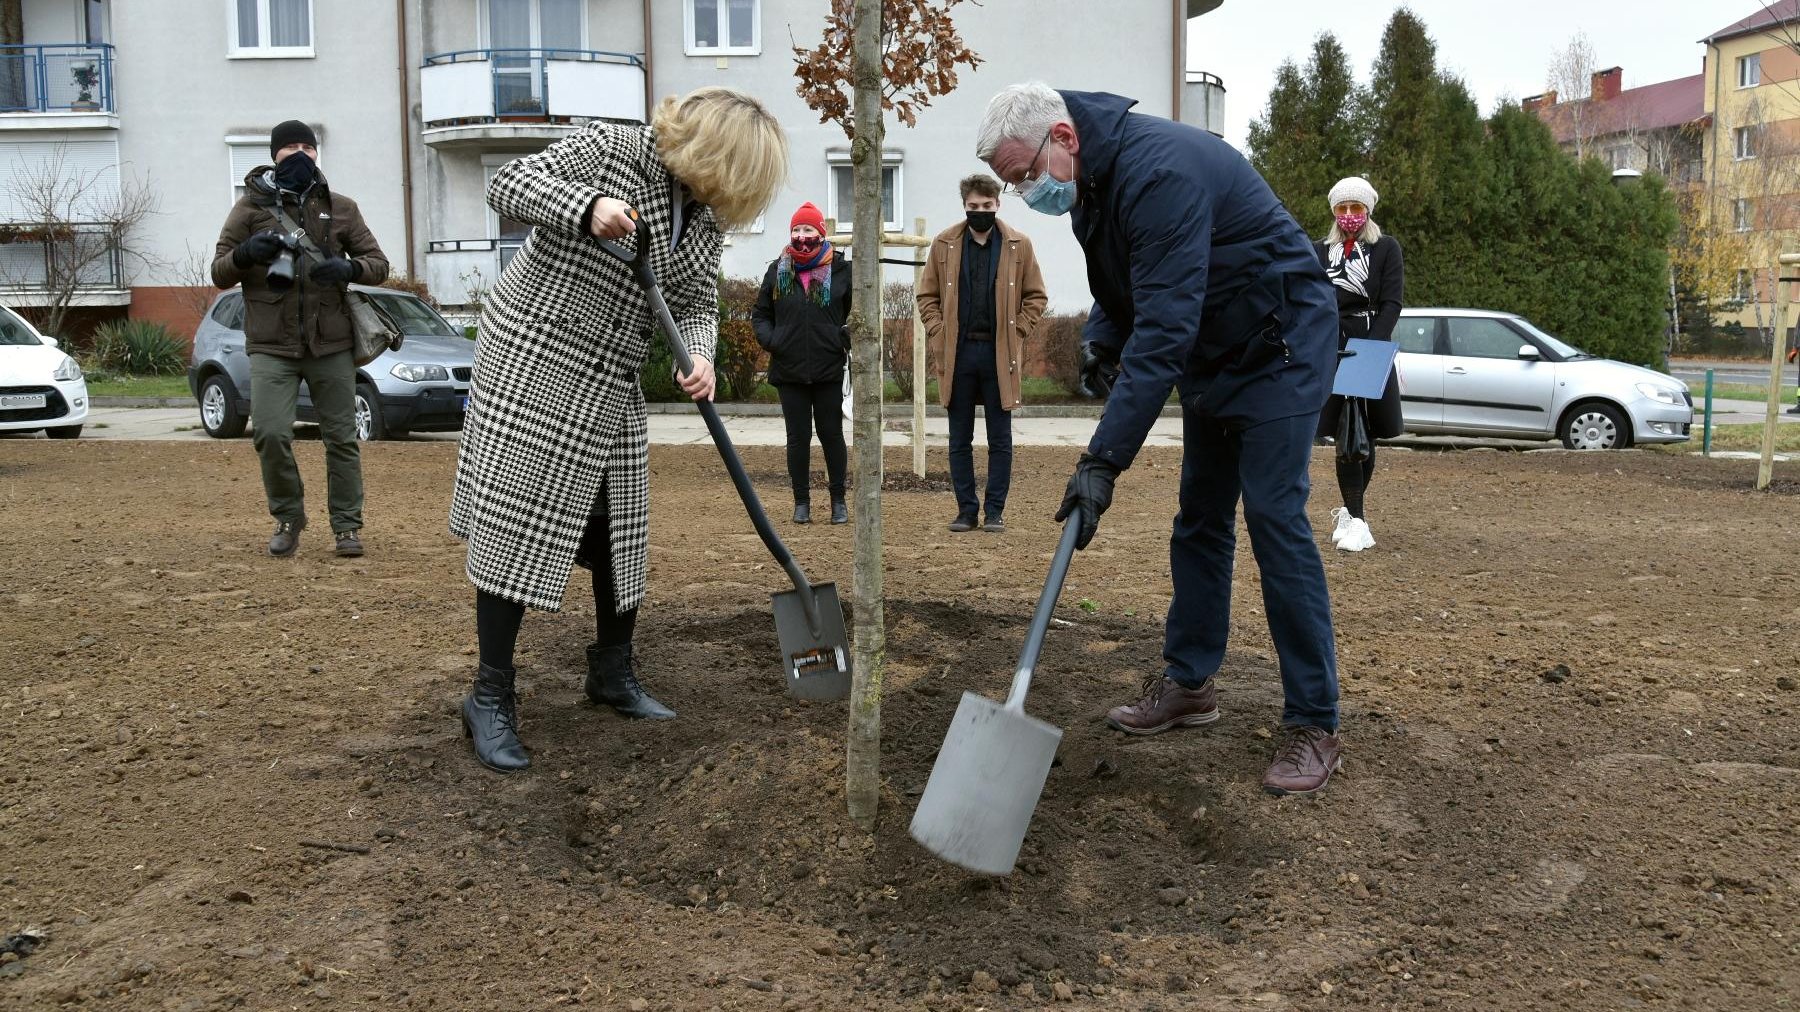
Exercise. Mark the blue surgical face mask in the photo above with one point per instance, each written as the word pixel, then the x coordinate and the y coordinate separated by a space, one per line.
pixel 1051 195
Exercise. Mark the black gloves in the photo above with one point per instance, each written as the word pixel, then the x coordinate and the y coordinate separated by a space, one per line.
pixel 1089 494
pixel 259 250
pixel 1099 370
pixel 336 271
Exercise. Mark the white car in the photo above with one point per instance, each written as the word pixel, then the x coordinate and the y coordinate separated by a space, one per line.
pixel 1475 372
pixel 40 387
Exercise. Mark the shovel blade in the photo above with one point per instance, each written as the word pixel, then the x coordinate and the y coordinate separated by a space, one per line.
pixel 816 667
pixel 985 785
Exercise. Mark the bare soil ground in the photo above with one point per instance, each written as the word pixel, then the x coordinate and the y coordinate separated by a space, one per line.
pixel 1569 697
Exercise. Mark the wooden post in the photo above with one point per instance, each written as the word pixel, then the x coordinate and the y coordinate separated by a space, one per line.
pixel 1765 469
pixel 918 368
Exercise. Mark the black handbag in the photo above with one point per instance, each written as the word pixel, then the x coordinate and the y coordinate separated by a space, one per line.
pixel 1353 443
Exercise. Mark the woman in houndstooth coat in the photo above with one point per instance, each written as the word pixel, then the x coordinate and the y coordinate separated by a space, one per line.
pixel 553 465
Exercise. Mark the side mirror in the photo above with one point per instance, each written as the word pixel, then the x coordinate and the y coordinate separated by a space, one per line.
pixel 1530 353
pixel 51 341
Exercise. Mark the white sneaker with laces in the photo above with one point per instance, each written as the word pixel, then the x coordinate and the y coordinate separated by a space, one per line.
pixel 1358 537
pixel 1341 519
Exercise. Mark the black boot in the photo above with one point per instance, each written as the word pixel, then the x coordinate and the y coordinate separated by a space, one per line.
pixel 612 681
pixel 490 720
pixel 840 511
pixel 803 513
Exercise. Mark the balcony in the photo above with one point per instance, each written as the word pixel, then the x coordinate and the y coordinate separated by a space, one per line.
pixel 492 97
pixel 1203 102
pixel 37 262
pixel 57 86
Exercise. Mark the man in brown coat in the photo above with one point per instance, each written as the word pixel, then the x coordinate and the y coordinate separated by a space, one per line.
pixel 980 297
pixel 297 326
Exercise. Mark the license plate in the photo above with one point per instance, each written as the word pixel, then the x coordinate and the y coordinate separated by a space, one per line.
pixel 15 401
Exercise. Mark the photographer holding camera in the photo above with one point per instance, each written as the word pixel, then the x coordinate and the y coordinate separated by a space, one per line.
pixel 297 326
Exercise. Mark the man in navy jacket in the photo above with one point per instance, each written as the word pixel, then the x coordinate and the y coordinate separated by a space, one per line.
pixel 1202 282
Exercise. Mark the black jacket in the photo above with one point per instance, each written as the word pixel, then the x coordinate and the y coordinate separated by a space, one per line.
pixel 807 342
pixel 1384 289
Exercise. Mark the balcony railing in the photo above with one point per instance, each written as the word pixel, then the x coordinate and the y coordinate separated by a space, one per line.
pixel 1203 101
pixel 56 77
pixel 79 256
pixel 532 85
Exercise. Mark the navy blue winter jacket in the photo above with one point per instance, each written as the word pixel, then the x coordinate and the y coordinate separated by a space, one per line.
pixel 1199 275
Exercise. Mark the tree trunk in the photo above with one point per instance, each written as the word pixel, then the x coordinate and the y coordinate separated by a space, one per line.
pixel 863 758
pixel 12 61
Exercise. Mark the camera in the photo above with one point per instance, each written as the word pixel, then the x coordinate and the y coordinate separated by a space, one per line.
pixel 281 272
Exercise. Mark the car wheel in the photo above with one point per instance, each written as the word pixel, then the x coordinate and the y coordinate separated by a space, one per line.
pixel 64 432
pixel 219 415
pixel 1595 426
pixel 369 425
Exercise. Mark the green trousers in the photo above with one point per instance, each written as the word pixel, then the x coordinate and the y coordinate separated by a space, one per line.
pixel 274 395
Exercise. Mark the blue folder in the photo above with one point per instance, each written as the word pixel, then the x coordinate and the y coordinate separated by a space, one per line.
pixel 1363 371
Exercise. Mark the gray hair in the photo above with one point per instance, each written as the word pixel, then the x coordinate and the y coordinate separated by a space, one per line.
pixel 1020 112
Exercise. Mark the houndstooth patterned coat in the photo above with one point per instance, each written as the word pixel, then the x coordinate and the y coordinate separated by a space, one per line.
pixel 555 402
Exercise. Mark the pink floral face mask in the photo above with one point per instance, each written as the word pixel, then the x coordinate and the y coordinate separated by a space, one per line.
pixel 1351 224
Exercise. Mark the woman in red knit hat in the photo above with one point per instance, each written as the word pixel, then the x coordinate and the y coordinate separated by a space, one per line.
pixel 800 318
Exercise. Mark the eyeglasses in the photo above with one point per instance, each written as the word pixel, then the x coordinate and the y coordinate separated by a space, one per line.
pixel 1350 207
pixel 1031 180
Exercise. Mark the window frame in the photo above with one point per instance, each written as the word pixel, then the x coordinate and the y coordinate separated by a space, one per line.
pixel 896 160
pixel 1744 143
pixel 1743 285
pixel 1437 335
pixel 263 50
pixel 235 179
pixel 1749 67
pixel 1522 339
pixel 692 48
pixel 1741 214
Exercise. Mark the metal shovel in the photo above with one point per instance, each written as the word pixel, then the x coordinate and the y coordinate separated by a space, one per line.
pixel 991 768
pixel 809 620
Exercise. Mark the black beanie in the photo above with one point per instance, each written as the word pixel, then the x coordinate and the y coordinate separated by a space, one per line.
pixel 291 132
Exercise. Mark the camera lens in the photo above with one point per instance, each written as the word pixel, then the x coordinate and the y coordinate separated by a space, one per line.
pixel 281 272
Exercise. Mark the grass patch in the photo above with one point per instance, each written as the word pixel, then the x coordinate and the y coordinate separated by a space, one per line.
pixel 1739 392
pixel 139 386
pixel 1737 437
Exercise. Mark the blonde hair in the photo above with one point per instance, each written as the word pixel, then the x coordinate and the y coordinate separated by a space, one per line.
pixel 1371 232
pixel 726 147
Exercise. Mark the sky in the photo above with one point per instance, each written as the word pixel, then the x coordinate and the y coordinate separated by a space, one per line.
pixel 1501 50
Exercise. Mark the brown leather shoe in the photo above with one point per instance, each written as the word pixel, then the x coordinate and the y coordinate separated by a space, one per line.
pixel 1164 705
pixel 1305 762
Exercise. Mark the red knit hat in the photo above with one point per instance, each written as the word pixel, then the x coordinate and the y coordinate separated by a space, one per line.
pixel 809 214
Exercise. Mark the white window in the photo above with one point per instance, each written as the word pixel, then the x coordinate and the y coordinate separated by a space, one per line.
pixel 723 27
pixel 271 28
pixel 1619 156
pixel 246 153
pixel 1749 70
pixel 840 203
pixel 1744 142
pixel 1740 214
pixel 1740 287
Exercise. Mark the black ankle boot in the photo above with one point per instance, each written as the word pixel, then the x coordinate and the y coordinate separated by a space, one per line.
pixel 803 513
pixel 490 720
pixel 612 681
pixel 840 511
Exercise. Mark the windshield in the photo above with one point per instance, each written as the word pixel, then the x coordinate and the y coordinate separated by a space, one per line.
pixel 413 316
pixel 14 331
pixel 1555 344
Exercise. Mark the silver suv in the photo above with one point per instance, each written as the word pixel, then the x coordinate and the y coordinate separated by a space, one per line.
pixel 423 387
pixel 1474 372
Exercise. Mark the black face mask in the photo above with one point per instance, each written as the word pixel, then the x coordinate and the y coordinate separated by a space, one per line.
pixel 296 172
pixel 981 221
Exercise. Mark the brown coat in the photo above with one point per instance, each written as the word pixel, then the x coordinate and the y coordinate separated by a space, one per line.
pixel 1019 301
pixel 309 318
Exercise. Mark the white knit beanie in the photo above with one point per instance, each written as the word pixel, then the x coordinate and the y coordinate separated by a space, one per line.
pixel 1354 188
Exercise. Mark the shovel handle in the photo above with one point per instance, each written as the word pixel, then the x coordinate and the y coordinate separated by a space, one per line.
pixel 638 260
pixel 1040 620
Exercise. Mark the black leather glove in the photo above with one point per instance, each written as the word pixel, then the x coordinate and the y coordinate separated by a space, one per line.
pixel 335 271
pixel 1089 494
pixel 1099 370
pixel 259 250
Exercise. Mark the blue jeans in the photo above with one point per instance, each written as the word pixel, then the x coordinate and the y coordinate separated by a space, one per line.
pixel 976 380
pixel 1266 465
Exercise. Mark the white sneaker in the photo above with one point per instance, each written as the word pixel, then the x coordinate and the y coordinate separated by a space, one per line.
pixel 1341 519
pixel 1357 537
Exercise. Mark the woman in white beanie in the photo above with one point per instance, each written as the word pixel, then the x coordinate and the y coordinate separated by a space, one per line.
pixel 1366 268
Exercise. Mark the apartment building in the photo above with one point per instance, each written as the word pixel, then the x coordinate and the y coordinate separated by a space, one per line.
pixel 1653 128
pixel 418 102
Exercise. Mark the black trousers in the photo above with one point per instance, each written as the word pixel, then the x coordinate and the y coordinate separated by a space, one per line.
pixel 497 619
pixel 808 408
